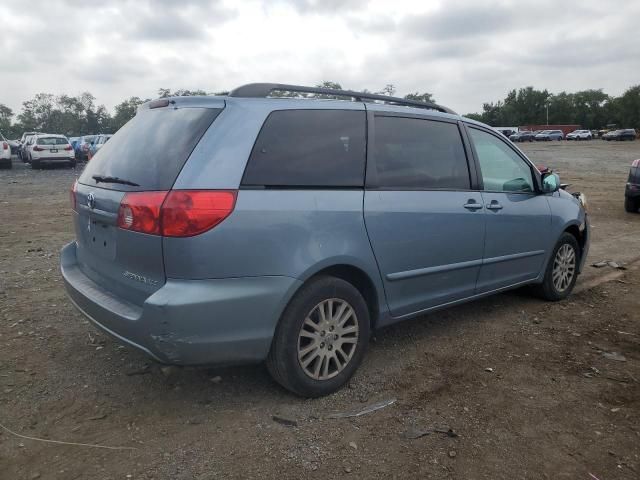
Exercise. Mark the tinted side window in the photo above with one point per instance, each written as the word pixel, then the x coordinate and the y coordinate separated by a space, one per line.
pixel 634 175
pixel 416 153
pixel 324 148
pixel 502 169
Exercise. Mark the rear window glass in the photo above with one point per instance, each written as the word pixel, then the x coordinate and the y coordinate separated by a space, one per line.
pixel 52 141
pixel 422 154
pixel 306 148
pixel 151 148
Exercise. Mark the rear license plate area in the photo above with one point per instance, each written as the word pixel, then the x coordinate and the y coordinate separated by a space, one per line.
pixel 54 150
pixel 99 238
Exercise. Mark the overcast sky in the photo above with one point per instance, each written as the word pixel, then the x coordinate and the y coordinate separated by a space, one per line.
pixel 463 52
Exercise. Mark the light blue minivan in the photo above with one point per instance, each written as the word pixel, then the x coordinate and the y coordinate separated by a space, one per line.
pixel 247 228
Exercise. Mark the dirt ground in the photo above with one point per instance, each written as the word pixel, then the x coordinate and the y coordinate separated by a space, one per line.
pixel 530 389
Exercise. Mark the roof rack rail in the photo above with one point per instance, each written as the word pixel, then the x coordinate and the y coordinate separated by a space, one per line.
pixel 262 90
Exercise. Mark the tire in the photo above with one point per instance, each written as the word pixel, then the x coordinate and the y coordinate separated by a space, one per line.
pixel 72 164
pixel 548 289
pixel 283 360
pixel 631 205
pixel 35 164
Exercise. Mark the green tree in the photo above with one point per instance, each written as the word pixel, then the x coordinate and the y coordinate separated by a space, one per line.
pixel 420 97
pixel 125 111
pixel 6 127
pixel 629 108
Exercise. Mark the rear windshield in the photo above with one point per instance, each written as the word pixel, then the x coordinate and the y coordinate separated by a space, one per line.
pixel 52 141
pixel 151 148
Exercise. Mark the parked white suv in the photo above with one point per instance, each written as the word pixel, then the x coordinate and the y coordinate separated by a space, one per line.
pixel 580 135
pixel 50 149
pixel 5 153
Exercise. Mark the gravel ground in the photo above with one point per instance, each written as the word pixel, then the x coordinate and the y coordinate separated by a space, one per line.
pixel 529 389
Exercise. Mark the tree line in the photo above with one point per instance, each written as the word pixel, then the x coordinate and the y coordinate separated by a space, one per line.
pixel 80 115
pixel 592 109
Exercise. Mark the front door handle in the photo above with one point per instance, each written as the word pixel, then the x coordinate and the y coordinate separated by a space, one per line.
pixel 494 205
pixel 472 205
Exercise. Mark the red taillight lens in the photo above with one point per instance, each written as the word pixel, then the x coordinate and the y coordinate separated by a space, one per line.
pixel 67 148
pixel 178 213
pixel 140 212
pixel 5 146
pixel 72 194
pixel 38 149
pixel 190 212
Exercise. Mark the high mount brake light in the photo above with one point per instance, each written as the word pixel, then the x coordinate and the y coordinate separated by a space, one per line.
pixel 177 213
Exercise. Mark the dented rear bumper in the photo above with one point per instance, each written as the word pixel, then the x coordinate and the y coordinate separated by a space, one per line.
pixel 187 322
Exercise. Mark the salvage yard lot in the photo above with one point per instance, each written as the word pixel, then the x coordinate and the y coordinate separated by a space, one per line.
pixel 532 389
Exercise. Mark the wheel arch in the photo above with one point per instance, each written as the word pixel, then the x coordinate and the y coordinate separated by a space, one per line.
pixel 360 279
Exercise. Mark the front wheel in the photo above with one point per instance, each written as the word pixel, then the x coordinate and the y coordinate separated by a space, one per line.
pixel 321 338
pixel 562 270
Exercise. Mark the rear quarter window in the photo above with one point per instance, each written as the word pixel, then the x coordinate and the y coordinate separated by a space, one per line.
pixel 151 148
pixel 309 148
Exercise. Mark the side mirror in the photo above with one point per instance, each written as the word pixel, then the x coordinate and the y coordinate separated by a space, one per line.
pixel 550 182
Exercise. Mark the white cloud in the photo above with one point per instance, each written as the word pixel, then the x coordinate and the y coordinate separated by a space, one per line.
pixel 464 52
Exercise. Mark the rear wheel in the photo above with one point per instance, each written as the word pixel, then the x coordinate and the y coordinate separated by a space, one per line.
pixel 631 205
pixel 321 338
pixel 72 163
pixel 35 164
pixel 562 270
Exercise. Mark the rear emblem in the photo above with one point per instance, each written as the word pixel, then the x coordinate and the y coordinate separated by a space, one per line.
pixel 91 200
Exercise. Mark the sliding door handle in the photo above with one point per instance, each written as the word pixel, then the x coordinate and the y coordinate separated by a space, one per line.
pixel 472 205
pixel 494 205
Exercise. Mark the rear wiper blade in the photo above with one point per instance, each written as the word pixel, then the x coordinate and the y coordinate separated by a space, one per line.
pixel 104 179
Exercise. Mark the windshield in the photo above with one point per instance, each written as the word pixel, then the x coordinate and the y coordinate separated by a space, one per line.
pixel 150 149
pixel 52 141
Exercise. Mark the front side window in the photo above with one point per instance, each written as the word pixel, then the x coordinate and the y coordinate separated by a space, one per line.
pixel 502 169
pixel 309 148
pixel 421 154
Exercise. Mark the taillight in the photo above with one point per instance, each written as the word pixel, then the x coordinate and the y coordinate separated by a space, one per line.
pixel 190 212
pixel 38 149
pixel 67 148
pixel 72 193
pixel 140 212
pixel 5 146
pixel 178 213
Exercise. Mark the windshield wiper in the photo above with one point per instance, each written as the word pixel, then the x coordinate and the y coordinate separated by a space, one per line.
pixel 105 179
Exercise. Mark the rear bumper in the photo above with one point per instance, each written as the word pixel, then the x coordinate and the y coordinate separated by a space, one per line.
pixel 54 159
pixel 187 322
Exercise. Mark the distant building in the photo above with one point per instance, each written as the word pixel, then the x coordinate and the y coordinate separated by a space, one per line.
pixel 565 128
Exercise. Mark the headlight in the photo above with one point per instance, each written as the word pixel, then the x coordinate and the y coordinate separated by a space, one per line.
pixel 582 198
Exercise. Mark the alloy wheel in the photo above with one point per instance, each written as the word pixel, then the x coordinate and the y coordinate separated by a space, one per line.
pixel 328 339
pixel 564 267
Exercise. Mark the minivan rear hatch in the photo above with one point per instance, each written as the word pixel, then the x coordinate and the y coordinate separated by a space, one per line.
pixel 146 155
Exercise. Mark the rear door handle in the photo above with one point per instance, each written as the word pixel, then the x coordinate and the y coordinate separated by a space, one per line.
pixel 472 205
pixel 494 205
